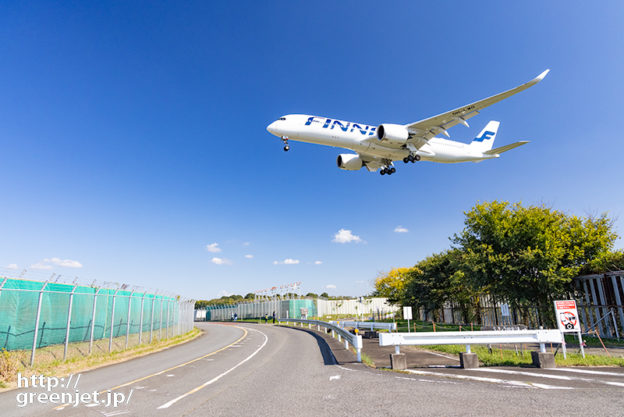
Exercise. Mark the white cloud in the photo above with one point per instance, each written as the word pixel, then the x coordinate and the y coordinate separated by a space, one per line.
pixel 400 229
pixel 224 293
pixel 41 265
pixel 330 286
pixel 249 256
pixel 220 261
pixel 49 263
pixel 345 236
pixel 12 266
pixel 287 261
pixel 246 243
pixel 213 248
pixel 318 262
pixel 67 263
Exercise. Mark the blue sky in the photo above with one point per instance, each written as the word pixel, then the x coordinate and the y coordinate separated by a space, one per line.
pixel 133 133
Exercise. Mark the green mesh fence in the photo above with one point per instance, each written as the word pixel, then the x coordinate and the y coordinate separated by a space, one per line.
pixel 297 306
pixel 18 313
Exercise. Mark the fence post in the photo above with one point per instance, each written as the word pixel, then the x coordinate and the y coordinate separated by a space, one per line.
pixel 34 345
pixel 93 320
pixel 71 301
pixel 167 331
pixel 128 318
pixel 110 339
pixel 161 317
pixel 141 319
pixel 152 318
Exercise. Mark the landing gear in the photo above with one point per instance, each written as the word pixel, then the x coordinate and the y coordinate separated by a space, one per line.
pixel 411 158
pixel 387 170
pixel 286 146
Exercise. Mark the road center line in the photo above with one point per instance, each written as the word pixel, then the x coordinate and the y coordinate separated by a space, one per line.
pixel 60 407
pixel 218 377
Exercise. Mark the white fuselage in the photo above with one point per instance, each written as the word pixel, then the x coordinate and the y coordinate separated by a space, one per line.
pixel 362 139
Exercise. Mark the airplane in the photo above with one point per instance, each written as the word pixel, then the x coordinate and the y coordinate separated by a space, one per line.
pixel 377 147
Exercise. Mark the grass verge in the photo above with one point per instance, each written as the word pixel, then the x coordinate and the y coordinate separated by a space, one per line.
pixel 49 359
pixel 506 357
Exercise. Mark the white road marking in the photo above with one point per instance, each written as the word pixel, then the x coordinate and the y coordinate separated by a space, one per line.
pixel 116 413
pixel 218 377
pixel 334 377
pixel 346 369
pixel 493 380
pixel 552 376
pixel 444 356
pixel 586 371
pixel 137 387
pixel 92 405
pixel 170 375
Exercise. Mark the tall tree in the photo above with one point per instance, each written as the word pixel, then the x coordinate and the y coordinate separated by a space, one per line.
pixel 529 255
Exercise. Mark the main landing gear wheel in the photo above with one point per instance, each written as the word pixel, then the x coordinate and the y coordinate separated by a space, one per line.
pixel 387 170
pixel 411 158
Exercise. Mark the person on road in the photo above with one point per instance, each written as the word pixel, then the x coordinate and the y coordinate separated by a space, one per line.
pixel 274 317
pixel 266 318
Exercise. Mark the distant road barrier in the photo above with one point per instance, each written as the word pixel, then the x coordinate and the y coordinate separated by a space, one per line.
pixel 355 341
pixel 472 338
pixel 366 325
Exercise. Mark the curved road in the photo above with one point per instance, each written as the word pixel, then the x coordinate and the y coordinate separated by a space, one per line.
pixel 263 370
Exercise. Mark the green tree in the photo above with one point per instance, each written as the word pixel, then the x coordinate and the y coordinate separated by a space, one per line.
pixel 392 284
pixel 436 280
pixel 529 255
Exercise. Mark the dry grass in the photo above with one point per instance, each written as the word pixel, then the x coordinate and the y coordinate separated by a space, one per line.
pixel 49 360
pixel 9 364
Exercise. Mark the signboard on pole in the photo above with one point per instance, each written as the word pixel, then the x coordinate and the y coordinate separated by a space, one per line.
pixel 407 313
pixel 568 321
pixel 567 316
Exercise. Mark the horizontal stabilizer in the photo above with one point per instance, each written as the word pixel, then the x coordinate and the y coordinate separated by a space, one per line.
pixel 505 148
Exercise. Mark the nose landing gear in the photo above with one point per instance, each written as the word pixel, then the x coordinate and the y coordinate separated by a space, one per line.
pixel 286 146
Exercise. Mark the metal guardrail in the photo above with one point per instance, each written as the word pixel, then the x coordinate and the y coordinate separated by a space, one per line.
pixel 366 325
pixel 355 341
pixel 472 338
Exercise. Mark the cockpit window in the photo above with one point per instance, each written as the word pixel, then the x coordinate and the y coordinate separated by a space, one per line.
pixel 282 118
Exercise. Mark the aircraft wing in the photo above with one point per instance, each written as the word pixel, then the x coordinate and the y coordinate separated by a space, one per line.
pixel 372 163
pixel 422 131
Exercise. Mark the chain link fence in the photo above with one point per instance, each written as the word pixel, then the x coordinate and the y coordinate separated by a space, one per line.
pixel 35 315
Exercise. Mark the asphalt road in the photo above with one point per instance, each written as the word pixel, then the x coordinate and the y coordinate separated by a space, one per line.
pixel 264 370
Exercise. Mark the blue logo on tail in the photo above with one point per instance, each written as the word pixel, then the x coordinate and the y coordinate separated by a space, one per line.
pixel 485 136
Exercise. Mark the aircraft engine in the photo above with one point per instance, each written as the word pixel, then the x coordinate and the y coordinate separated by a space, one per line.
pixel 349 162
pixel 392 134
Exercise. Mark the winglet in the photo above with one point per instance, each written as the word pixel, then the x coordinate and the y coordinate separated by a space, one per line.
pixel 542 75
